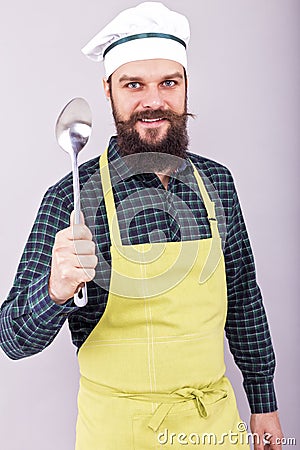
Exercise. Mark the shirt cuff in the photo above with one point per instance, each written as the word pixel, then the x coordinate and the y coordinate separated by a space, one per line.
pixel 43 307
pixel 261 397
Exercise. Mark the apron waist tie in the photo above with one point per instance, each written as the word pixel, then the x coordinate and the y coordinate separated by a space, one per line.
pixel 206 395
pixel 202 398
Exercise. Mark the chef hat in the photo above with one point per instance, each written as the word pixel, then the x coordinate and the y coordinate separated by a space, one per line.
pixel 148 31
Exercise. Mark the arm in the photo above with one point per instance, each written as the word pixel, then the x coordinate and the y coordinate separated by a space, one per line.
pixel 247 329
pixel 53 266
pixel 29 319
pixel 246 325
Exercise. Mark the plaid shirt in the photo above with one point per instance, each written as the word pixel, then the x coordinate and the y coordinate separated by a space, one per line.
pixel 30 320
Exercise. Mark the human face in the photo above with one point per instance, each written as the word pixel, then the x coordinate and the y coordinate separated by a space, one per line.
pixel 147 87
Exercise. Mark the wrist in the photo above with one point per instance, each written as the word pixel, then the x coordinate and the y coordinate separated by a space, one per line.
pixel 54 295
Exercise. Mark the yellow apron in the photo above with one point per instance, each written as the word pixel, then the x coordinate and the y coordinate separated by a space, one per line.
pixel 152 370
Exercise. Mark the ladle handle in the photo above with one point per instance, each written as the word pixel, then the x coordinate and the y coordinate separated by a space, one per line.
pixel 81 297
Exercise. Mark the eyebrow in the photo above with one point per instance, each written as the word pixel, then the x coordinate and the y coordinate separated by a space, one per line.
pixel 134 78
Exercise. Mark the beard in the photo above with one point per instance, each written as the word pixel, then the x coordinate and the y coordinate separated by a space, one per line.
pixel 160 154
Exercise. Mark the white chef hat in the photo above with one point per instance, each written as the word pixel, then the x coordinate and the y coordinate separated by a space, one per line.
pixel 148 31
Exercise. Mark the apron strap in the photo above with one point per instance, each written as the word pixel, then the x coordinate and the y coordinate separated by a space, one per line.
pixel 111 208
pixel 209 205
pixel 203 397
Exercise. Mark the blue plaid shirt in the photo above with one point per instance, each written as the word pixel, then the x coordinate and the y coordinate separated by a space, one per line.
pixel 30 320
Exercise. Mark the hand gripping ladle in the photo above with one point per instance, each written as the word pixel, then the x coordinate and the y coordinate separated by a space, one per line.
pixel 73 130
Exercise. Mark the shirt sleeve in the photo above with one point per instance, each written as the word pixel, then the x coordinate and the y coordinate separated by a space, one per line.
pixel 29 319
pixel 246 327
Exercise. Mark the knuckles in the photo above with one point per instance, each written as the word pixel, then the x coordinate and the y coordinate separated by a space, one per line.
pixel 69 244
pixel 80 232
pixel 95 261
pixel 83 247
pixel 90 274
pixel 74 232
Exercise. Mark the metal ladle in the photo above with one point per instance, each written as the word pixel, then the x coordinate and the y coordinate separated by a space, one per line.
pixel 73 130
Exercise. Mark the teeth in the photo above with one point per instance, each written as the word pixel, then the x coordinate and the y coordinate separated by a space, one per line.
pixel 152 120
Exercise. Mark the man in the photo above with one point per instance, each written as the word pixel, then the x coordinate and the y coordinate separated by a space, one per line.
pixel 166 269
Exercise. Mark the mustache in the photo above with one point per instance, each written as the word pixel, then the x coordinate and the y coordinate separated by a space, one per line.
pixel 154 114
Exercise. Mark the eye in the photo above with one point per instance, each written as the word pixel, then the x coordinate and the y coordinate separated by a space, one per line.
pixel 169 83
pixel 133 85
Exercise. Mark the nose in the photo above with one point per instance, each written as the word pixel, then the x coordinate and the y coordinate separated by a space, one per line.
pixel 152 98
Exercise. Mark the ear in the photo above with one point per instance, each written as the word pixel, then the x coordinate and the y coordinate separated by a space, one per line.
pixel 186 78
pixel 106 88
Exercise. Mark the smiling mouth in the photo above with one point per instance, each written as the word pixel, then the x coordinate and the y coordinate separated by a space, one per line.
pixel 152 120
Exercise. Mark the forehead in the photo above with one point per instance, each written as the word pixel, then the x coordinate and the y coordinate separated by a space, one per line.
pixel 149 70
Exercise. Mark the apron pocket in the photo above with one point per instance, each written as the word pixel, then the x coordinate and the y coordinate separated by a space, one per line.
pixel 145 438
pixel 187 429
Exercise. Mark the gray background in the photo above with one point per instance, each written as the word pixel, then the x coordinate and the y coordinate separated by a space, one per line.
pixel 244 88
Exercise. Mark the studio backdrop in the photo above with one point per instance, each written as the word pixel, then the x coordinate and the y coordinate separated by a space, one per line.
pixel 244 74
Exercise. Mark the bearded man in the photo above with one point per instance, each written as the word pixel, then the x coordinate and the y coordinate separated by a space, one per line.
pixel 167 261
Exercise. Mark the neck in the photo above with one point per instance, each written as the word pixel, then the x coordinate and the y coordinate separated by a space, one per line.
pixel 164 179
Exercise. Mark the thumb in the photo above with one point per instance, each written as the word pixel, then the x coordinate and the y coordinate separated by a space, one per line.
pixel 73 220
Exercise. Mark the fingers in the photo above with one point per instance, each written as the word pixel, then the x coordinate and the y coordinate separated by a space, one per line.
pixel 85 262
pixel 74 233
pixel 259 444
pixel 75 276
pixel 73 261
pixel 68 261
pixel 267 426
pixel 64 247
pixel 275 443
pixel 72 218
